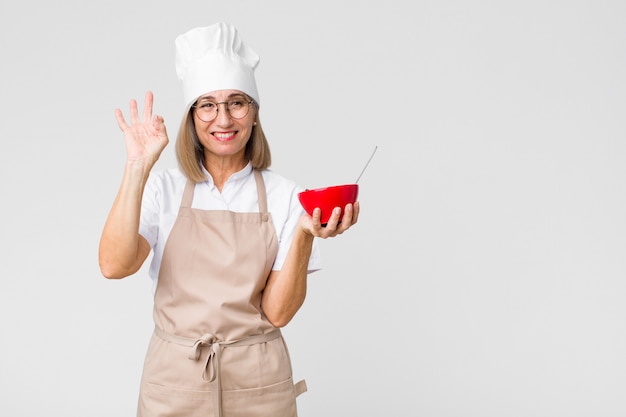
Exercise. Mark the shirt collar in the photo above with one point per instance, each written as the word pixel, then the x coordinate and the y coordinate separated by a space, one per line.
pixel 237 176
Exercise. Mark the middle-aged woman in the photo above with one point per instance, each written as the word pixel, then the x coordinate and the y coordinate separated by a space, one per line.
pixel 231 245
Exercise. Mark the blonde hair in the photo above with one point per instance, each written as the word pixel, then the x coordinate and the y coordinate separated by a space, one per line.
pixel 190 152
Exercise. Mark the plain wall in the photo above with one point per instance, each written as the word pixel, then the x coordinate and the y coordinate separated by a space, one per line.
pixel 486 274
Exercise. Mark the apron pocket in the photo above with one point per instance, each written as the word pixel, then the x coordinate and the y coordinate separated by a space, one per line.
pixel 165 401
pixel 277 400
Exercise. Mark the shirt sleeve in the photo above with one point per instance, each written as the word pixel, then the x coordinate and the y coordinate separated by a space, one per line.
pixel 288 230
pixel 150 211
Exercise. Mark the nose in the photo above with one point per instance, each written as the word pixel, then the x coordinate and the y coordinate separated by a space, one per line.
pixel 223 116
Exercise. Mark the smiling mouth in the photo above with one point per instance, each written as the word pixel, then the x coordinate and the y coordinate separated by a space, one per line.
pixel 224 136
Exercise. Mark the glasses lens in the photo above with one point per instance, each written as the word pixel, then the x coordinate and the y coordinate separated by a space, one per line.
pixel 238 107
pixel 206 110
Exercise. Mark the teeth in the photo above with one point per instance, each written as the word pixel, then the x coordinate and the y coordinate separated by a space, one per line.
pixel 223 135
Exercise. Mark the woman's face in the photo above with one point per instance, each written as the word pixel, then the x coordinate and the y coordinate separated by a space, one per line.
pixel 226 136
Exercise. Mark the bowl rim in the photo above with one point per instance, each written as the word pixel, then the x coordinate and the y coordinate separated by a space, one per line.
pixel 352 185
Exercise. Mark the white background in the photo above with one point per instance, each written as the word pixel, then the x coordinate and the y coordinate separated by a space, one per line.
pixel 486 274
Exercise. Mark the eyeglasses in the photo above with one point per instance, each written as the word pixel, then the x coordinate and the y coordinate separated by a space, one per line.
pixel 237 108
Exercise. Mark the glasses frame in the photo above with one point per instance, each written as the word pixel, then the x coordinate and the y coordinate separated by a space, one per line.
pixel 247 100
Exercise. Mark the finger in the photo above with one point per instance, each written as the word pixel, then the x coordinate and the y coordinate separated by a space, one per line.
pixel 347 219
pixel 158 123
pixel 121 122
pixel 354 213
pixel 357 209
pixel 316 225
pixel 333 221
pixel 147 106
pixel 134 114
pixel 317 216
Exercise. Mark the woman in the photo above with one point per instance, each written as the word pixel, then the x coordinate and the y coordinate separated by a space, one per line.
pixel 231 245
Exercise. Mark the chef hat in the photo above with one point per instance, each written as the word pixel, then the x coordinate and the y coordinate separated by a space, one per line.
pixel 215 58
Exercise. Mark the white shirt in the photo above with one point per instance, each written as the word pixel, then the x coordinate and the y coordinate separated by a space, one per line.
pixel 164 192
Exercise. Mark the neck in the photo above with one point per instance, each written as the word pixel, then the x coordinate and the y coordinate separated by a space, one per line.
pixel 221 169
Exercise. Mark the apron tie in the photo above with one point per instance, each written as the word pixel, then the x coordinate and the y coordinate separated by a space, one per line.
pixel 206 340
pixel 213 358
pixel 212 363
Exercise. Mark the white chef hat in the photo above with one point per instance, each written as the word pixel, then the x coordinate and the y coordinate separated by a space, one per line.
pixel 215 58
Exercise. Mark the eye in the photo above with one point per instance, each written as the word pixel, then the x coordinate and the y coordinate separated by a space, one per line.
pixel 236 103
pixel 207 105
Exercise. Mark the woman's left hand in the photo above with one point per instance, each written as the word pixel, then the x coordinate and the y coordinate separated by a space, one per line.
pixel 334 227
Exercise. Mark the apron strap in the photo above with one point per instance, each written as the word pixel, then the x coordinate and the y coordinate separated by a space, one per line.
pixel 300 387
pixel 187 195
pixel 260 190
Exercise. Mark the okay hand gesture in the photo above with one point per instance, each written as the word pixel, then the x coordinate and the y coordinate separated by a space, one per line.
pixel 146 137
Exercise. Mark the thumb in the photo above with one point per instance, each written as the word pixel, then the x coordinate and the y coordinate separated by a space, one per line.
pixel 158 123
pixel 157 120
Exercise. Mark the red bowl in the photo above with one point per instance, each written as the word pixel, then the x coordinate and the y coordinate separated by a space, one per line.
pixel 328 198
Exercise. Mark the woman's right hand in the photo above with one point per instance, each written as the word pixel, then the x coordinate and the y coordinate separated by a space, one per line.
pixel 146 137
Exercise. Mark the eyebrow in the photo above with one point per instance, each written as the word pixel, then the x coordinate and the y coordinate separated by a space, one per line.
pixel 229 96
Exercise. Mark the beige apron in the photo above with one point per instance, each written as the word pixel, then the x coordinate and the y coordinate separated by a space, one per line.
pixel 213 352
